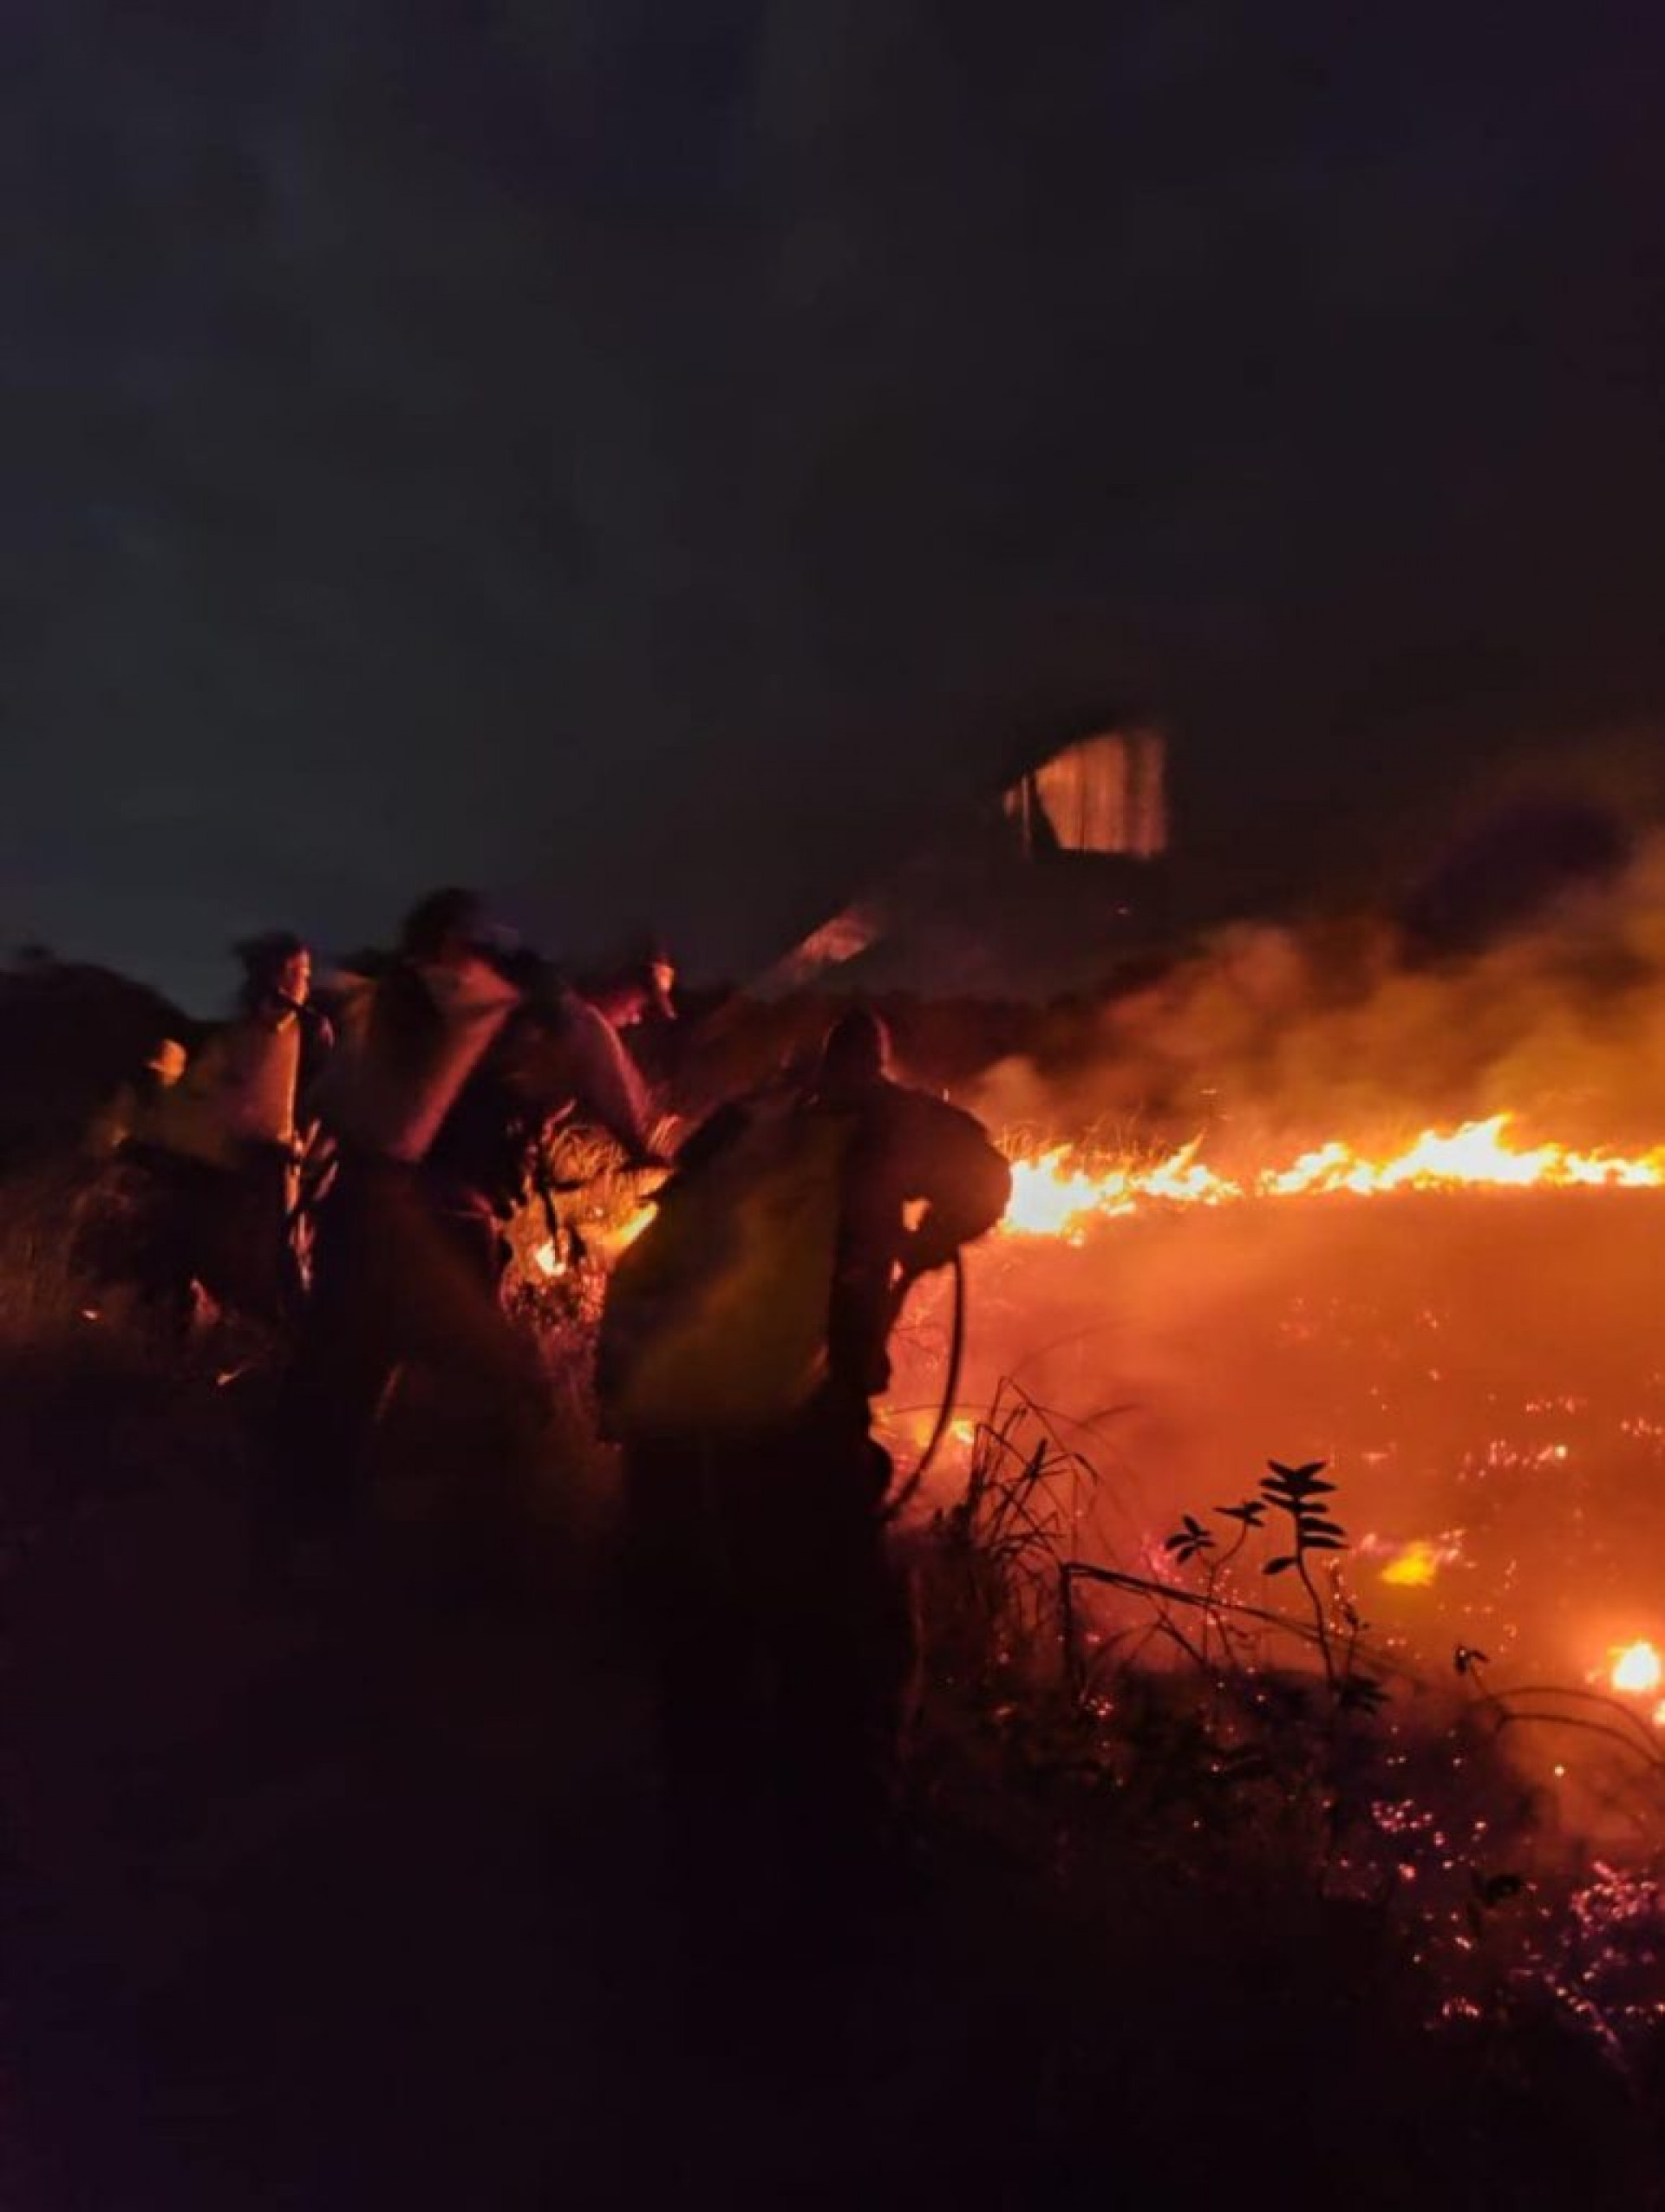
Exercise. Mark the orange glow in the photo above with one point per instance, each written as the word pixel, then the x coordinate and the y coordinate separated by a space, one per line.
pixel 1637 1669
pixel 543 1259
pixel 1061 1191
pixel 1413 1567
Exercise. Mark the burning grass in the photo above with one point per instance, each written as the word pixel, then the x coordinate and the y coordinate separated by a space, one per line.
pixel 1478 1366
pixel 1064 1189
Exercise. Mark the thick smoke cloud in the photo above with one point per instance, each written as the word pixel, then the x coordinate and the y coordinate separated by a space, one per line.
pixel 1272 1038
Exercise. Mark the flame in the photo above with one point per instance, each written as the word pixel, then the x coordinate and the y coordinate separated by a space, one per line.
pixel 614 1241
pixel 1060 1192
pixel 1637 1669
pixel 606 1238
pixel 1413 1567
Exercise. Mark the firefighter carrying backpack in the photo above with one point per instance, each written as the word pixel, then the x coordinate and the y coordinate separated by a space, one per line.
pixel 716 1316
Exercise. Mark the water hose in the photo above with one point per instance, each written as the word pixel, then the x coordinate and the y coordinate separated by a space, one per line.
pixel 903 1495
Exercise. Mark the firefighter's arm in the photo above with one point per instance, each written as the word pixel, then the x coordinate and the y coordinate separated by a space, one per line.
pixel 965 1184
pixel 338 1044
pixel 607 1086
pixel 114 1120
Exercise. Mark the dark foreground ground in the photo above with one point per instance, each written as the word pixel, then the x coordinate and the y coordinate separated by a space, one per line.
pixel 353 1896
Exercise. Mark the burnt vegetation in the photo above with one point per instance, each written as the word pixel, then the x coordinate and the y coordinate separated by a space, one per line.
pixel 358 1894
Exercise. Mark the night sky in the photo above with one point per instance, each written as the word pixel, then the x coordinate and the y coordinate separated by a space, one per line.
pixel 652 458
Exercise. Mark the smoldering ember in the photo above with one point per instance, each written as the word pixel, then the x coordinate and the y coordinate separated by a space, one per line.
pixel 832 1117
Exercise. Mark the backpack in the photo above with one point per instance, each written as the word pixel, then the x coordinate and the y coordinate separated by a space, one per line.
pixel 717 1316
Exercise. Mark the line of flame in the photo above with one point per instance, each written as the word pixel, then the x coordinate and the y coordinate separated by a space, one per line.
pixel 1059 1193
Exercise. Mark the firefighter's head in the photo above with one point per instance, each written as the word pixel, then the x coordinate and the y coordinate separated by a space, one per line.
pixel 445 929
pixel 277 971
pixel 657 972
pixel 855 1056
pixel 641 990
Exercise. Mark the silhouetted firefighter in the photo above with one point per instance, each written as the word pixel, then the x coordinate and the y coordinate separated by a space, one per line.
pixel 744 1338
pixel 451 1058
pixel 218 1144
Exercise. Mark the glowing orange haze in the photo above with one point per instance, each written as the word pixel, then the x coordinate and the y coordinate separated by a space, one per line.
pixel 1462 1325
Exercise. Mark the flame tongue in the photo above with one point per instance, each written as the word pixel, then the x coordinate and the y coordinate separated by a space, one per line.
pixel 1060 1191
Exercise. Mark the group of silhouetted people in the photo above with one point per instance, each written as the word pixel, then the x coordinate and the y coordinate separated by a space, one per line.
pixel 743 1340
